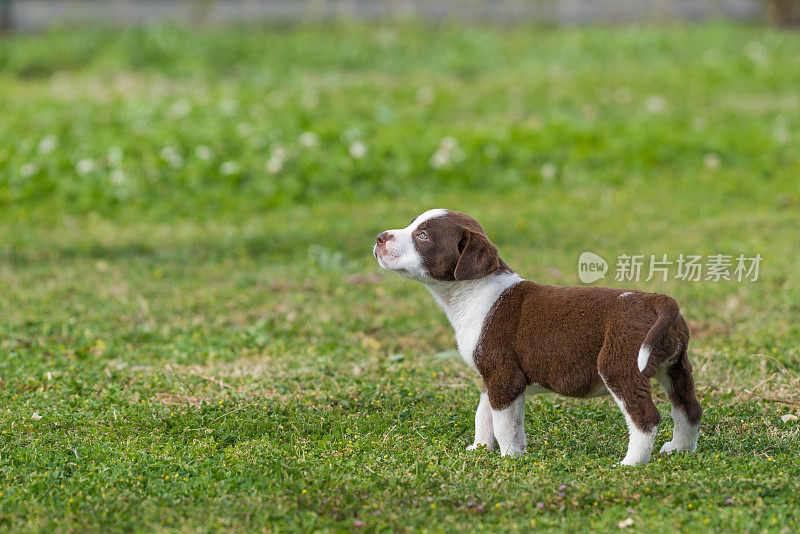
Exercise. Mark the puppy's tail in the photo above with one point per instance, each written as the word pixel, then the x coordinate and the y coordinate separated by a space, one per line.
pixel 668 312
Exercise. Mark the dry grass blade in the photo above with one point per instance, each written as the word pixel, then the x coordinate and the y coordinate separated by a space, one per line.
pixel 217 381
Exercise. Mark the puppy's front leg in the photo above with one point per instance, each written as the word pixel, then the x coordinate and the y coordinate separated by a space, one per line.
pixel 484 433
pixel 509 427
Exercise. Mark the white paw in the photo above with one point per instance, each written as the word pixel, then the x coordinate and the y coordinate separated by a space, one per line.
pixel 631 462
pixel 668 447
pixel 512 451
pixel 672 446
pixel 472 447
pixel 634 461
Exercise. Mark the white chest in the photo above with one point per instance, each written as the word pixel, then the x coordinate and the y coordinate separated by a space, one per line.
pixel 468 327
pixel 467 305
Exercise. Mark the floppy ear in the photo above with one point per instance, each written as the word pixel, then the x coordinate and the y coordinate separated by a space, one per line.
pixel 478 258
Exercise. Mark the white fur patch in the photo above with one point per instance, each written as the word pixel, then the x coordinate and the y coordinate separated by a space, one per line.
pixel 640 446
pixel 427 216
pixel 626 294
pixel 509 427
pixel 644 356
pixel 684 434
pixel 640 442
pixel 400 254
pixel 467 304
pixel 484 431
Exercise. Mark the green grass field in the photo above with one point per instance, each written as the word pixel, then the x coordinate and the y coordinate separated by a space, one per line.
pixel 194 335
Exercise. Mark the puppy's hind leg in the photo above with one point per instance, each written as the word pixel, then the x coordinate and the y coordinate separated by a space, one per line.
pixel 484 432
pixel 677 382
pixel 631 391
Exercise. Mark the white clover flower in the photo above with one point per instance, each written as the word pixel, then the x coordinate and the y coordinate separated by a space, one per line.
pixel 276 159
pixel 118 177
pixel 168 152
pixel 274 165
pixel 699 123
pixel 351 134
pixel 447 153
pixel 655 104
pixel 279 152
pixel 756 52
pixel 358 149
pixel 228 106
pixel 85 166
pixel 448 143
pixel 781 133
pixel 35 416
pixel 440 159
pixel 425 96
pixel 711 160
pixel 203 152
pixel 28 170
pixel 229 168
pixel 48 144
pixel 548 172
pixel 171 155
pixel 308 139
pixel 115 156
pixel 180 109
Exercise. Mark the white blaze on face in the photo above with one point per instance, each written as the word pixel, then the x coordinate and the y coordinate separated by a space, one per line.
pixel 399 253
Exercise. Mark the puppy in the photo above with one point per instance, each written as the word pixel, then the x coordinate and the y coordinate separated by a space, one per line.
pixel 523 337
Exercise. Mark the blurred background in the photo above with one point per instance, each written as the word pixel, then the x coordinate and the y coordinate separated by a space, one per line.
pixel 38 14
pixel 189 194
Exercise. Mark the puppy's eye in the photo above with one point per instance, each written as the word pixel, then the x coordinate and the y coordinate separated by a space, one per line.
pixel 422 235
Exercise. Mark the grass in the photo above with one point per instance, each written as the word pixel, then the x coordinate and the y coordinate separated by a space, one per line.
pixel 195 336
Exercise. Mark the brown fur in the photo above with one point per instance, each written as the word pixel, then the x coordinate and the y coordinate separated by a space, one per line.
pixel 575 341
pixel 571 339
pixel 458 249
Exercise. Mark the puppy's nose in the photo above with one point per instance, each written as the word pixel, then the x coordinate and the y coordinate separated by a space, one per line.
pixel 383 237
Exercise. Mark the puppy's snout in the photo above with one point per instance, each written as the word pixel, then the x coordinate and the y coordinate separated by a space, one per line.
pixel 383 237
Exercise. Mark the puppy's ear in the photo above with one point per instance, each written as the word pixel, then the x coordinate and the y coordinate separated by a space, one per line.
pixel 478 257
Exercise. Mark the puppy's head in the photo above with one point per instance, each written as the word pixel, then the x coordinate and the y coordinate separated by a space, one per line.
pixel 438 245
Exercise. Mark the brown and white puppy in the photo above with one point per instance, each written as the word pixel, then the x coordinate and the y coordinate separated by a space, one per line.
pixel 523 337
